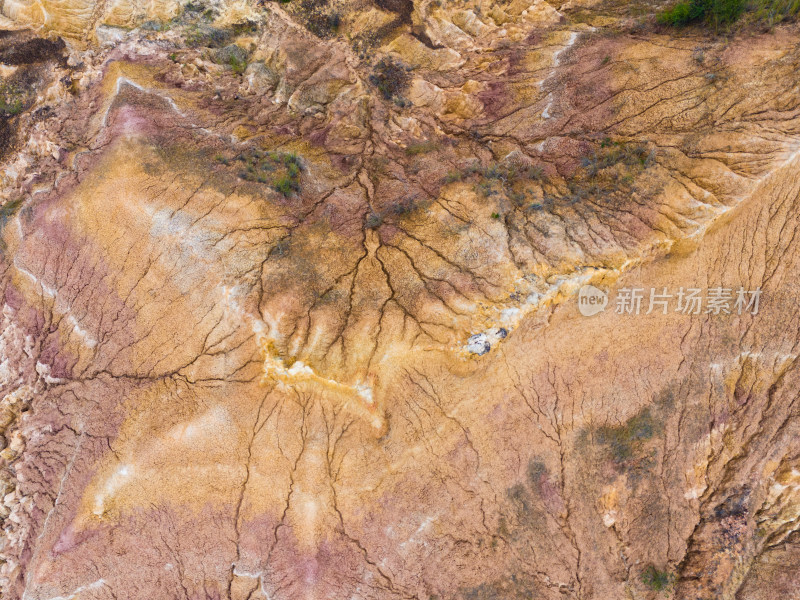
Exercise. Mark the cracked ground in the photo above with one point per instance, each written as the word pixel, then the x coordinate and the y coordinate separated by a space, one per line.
pixel 290 302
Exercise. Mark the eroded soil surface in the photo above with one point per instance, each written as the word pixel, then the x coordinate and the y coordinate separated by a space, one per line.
pixel 289 302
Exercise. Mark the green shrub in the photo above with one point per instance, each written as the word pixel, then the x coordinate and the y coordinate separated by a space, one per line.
pixel 614 153
pixel 609 170
pixel 285 185
pixel 12 100
pixel 233 56
pixel 657 580
pixel 726 12
pixel 279 169
pixel 10 108
pixel 318 17
pixel 681 14
pixel 510 177
pixel 9 209
pixel 373 221
pixel 452 176
pixel 390 78
pixel 238 66
pixel 206 36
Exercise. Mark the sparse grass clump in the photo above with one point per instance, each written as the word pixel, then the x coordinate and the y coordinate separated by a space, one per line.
pixel 610 170
pixel 607 174
pixel 624 440
pixel 657 580
pixel 505 172
pixel 7 211
pixel 285 184
pixel 280 170
pixel 10 108
pixel 417 148
pixel 204 36
pixel 452 177
pixel 772 12
pixel 512 178
pixel 617 153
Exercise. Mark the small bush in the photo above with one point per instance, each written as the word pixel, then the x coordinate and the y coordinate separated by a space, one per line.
pixel 390 78
pixel 238 66
pixel 614 153
pixel 10 108
pixel 206 37
pixel 373 221
pixel 285 185
pixel 680 14
pixel 7 211
pixel 657 580
pixel 320 21
pixel 245 28
pixel 452 177
pixel 12 100
pixel 510 177
pixel 281 170
pixel 234 56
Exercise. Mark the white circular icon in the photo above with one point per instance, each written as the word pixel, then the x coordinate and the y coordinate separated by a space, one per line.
pixel 591 300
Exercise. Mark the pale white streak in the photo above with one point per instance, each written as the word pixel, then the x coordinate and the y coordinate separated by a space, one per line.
pixel 84 588
pixel 67 471
pixel 118 479
pixel 124 80
pixel 48 291
pixel 84 335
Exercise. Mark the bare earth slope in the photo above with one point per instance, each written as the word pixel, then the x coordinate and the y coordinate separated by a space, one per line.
pixel 289 303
